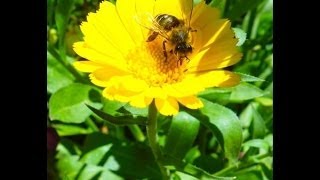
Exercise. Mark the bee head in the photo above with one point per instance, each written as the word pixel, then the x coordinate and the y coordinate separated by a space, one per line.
pixel 183 47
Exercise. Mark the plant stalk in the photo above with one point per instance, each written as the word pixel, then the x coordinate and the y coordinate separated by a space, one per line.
pixel 153 138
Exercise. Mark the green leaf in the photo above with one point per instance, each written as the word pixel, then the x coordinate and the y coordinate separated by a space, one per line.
pixel 187 168
pixel 182 133
pixel 246 116
pixel 62 14
pixel 258 125
pixel 245 91
pixel 67 157
pixel 249 78
pixel 241 7
pixel 182 176
pixel 120 119
pixel 136 111
pixel 192 154
pixel 240 35
pixel 69 166
pixel 50 11
pixel 71 129
pixel 130 161
pixel 57 75
pixel 210 163
pixel 110 175
pixel 265 101
pixel 258 143
pixel 225 125
pixel 111 107
pixel 220 95
pixel 68 103
pixel 250 175
pixel 89 172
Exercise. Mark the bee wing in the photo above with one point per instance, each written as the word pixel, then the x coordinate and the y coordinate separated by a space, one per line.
pixel 186 10
pixel 147 21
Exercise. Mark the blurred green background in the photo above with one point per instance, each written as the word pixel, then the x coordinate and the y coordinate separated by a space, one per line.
pixel 83 145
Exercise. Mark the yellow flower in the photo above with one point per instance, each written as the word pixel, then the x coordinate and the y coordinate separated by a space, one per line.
pixel 135 71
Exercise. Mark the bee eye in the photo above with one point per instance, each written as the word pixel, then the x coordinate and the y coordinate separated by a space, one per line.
pixel 189 47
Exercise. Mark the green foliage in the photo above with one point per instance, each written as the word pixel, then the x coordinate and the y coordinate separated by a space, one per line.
pixel 68 103
pixel 225 125
pixel 230 137
pixel 181 137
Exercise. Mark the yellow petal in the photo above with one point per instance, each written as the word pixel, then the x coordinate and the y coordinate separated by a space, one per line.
pixel 98 82
pixel 223 55
pixel 203 14
pixel 87 52
pixel 156 92
pixel 103 75
pixel 110 23
pixel 127 11
pixel 168 106
pixel 217 31
pixel 114 93
pixel 140 101
pixel 191 102
pixel 178 8
pixel 185 88
pixel 217 78
pixel 87 66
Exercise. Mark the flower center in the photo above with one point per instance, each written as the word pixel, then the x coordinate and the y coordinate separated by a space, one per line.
pixel 148 62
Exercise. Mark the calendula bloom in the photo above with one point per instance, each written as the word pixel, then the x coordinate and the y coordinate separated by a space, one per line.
pixel 135 71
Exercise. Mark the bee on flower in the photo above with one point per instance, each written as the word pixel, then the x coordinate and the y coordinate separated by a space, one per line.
pixel 166 51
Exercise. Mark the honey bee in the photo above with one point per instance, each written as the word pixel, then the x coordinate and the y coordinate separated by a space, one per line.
pixel 174 31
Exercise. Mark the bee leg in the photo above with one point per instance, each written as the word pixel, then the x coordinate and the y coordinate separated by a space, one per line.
pixel 192 30
pixel 180 60
pixel 164 50
pixel 187 59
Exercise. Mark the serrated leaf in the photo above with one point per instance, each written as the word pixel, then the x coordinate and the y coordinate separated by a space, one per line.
pixel 240 35
pixel 68 103
pixel 225 125
pixel 245 91
pixel 57 75
pixel 249 78
pixel 182 133
pixel 120 119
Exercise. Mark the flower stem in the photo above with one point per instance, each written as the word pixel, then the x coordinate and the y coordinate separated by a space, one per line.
pixel 153 138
